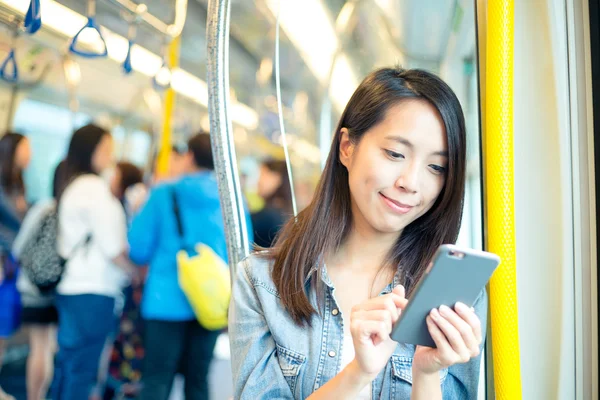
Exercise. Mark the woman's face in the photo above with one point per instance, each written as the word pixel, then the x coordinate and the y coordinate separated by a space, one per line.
pixel 268 182
pixel 103 155
pixel 397 170
pixel 23 154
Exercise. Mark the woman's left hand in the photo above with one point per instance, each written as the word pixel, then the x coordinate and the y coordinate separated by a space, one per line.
pixel 457 335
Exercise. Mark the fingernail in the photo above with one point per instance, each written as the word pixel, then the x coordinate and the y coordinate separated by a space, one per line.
pixel 445 309
pixel 461 306
pixel 434 314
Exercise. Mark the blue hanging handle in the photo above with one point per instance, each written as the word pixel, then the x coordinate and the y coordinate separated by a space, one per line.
pixel 9 60
pixel 33 18
pixel 127 63
pixel 91 23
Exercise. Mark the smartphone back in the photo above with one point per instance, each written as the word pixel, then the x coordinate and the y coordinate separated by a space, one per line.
pixel 455 275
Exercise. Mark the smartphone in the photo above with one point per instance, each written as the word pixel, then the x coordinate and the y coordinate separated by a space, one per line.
pixel 454 275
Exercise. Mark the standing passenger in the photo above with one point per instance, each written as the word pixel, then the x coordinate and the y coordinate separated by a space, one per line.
pixel 15 155
pixel 92 236
pixel 39 311
pixel 174 340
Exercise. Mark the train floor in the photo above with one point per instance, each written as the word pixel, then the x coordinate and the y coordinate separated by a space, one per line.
pixel 12 375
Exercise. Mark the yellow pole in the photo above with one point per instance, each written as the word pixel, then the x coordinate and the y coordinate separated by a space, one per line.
pixel 499 184
pixel 162 162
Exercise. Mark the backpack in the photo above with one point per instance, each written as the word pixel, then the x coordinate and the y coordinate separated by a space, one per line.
pixel 40 259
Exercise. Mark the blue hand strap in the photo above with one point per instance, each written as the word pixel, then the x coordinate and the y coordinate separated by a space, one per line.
pixel 127 63
pixel 33 18
pixel 91 24
pixel 9 61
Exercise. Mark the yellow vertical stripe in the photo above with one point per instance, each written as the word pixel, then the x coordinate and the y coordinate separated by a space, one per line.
pixel 162 161
pixel 499 185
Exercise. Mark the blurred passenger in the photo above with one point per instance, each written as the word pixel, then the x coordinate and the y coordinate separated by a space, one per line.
pixel 126 175
pixel 125 353
pixel 274 187
pixel 92 236
pixel 39 313
pixel 249 175
pixel 126 180
pixel 15 155
pixel 174 340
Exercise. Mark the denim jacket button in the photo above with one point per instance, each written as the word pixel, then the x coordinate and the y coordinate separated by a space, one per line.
pixel 332 353
pixel 335 311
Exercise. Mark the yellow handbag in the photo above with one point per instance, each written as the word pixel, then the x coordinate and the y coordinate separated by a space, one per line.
pixel 205 280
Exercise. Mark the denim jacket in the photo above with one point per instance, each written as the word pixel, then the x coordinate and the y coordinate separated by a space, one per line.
pixel 273 358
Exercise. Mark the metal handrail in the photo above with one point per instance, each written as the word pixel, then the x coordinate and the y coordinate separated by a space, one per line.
pixel 141 10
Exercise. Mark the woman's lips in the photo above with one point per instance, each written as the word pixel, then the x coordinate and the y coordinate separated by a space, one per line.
pixel 396 206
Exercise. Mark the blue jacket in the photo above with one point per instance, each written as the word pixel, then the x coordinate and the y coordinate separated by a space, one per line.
pixel 154 240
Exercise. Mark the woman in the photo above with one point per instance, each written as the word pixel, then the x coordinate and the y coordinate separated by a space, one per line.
pixel 311 317
pixel 39 312
pixel 15 155
pixel 92 236
pixel 274 187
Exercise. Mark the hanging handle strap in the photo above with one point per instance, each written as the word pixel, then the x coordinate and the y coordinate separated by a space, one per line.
pixel 33 18
pixel 127 68
pixel 5 73
pixel 91 24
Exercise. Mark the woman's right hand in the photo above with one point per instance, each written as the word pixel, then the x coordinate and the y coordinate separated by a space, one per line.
pixel 371 324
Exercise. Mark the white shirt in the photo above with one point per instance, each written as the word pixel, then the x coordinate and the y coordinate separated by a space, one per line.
pixel 88 207
pixel 347 357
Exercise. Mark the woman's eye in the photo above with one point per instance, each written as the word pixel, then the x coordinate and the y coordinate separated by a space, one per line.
pixel 438 169
pixel 394 155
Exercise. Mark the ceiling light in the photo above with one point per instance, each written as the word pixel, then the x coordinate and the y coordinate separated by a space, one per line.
pixel 318 44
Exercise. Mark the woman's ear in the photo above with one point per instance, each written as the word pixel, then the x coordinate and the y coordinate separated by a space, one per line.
pixel 346 148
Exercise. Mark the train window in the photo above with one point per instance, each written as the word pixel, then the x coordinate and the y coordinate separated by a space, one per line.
pixel 49 128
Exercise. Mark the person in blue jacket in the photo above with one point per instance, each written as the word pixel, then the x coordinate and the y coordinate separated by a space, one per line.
pixel 174 340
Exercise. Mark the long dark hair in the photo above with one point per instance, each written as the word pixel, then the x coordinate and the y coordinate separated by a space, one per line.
pixel 324 225
pixel 281 198
pixel 58 178
pixel 130 175
pixel 83 144
pixel 11 176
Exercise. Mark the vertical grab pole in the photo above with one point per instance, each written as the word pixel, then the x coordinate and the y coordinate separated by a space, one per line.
pixel 166 138
pixel 221 132
pixel 499 187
